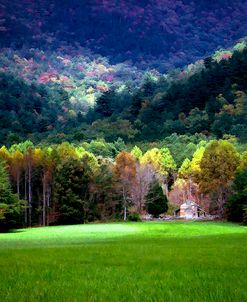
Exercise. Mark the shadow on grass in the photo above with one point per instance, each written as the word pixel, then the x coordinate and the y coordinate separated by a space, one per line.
pixel 14 231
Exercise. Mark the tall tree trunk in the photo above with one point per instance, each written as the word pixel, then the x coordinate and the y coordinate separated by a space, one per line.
pixel 18 183
pixel 141 198
pixel 44 203
pixel 125 213
pixel 25 195
pixel 190 187
pixel 30 194
pixel 125 205
pixel 221 201
pixel 48 204
pixel 165 184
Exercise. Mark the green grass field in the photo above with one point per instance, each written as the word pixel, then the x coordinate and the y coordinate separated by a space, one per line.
pixel 163 261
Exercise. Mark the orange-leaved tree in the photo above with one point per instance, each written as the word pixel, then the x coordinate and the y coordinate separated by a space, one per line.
pixel 125 176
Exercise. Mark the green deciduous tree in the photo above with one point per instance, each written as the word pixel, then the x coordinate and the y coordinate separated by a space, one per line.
pixel 162 162
pixel 185 170
pixel 136 152
pixel 243 161
pixel 196 162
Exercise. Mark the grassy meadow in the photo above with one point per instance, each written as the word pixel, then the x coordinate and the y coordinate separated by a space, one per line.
pixel 152 261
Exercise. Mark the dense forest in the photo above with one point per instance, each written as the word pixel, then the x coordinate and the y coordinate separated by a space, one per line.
pixel 211 101
pixel 86 137
pixel 70 184
pixel 123 150
pixel 30 110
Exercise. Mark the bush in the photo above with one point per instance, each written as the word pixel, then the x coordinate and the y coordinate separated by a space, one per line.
pixel 134 217
pixel 245 215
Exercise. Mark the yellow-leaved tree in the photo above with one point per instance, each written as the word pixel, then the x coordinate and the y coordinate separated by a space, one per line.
pixel 218 166
pixel 162 162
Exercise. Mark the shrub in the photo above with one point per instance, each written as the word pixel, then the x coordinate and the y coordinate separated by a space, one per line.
pixel 134 217
pixel 245 215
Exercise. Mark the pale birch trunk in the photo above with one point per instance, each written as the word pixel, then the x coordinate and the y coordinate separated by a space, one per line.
pixel 125 213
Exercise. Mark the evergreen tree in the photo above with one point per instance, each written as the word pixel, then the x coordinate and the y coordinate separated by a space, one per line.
pixel 238 201
pixel 71 186
pixel 10 207
pixel 156 201
pixel 105 104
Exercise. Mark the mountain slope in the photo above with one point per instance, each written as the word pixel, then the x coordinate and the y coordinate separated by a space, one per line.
pixel 161 33
pixel 212 100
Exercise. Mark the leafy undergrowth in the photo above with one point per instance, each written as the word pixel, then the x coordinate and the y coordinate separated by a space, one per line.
pixel 173 261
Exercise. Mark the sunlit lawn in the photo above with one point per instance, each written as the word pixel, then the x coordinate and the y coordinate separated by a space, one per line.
pixel 165 261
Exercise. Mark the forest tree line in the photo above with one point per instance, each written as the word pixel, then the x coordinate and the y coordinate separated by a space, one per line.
pixel 66 184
